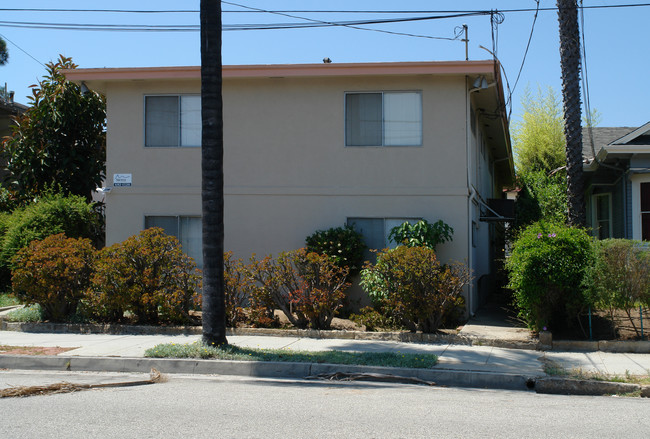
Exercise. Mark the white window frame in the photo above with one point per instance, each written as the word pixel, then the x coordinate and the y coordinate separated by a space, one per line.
pixel 180 121
pixel 636 181
pixel 595 226
pixel 383 121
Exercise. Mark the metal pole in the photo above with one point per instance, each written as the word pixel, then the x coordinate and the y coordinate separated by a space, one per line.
pixel 466 40
pixel 641 316
pixel 590 333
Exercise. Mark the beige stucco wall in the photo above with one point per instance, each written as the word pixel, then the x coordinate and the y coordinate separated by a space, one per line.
pixel 287 170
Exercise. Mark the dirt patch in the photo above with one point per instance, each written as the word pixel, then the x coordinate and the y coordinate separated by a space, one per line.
pixel 33 350
pixel 618 326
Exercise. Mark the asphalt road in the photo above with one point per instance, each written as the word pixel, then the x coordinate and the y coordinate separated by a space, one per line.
pixel 235 407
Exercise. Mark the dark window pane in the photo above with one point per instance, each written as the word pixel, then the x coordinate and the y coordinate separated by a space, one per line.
pixel 168 223
pixel 645 197
pixel 645 226
pixel 363 119
pixel 161 121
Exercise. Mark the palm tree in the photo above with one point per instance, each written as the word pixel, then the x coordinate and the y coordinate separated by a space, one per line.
pixel 214 310
pixel 570 60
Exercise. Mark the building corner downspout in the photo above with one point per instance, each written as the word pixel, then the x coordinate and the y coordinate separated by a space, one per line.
pixel 471 195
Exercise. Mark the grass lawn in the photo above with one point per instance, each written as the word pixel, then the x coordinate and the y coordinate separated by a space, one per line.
pixel 199 350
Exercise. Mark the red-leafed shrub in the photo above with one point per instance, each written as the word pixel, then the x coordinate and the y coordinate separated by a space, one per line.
pixel 147 278
pixel 307 287
pixel 55 273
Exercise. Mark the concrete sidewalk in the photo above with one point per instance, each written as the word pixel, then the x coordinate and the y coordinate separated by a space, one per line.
pixel 452 357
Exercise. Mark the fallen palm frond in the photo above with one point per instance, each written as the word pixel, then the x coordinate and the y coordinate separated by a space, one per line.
pixel 380 377
pixel 65 387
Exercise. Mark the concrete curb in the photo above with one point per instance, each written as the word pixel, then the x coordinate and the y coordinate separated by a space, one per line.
pixel 562 386
pixel 636 347
pixel 442 377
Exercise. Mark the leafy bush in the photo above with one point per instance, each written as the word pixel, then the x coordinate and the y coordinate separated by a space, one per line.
pixel 307 287
pixel 148 277
pixel 238 288
pixel 54 273
pixel 542 198
pixel 49 215
pixel 343 244
pixel 546 271
pixel 619 279
pixel 414 288
pixel 421 234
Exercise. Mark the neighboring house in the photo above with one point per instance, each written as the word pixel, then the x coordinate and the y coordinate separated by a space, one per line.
pixel 617 181
pixel 314 146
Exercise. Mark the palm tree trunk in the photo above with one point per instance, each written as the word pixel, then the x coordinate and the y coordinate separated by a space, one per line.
pixel 214 309
pixel 570 60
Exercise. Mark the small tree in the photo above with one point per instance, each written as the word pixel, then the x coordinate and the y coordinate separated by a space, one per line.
pixel 4 53
pixel 60 140
pixel 537 139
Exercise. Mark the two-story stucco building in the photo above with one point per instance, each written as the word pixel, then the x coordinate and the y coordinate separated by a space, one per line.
pixel 309 147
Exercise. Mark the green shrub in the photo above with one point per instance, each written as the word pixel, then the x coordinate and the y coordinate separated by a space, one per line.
pixel 148 277
pixel 307 287
pixel 50 215
pixel 546 271
pixel 542 198
pixel 343 244
pixel 54 273
pixel 412 286
pixel 619 279
pixel 421 234
pixel 28 314
pixel 375 320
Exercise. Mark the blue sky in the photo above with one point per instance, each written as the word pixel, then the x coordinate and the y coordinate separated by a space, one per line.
pixel 616 42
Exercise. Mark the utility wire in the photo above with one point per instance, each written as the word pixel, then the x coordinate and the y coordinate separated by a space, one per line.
pixel 312 11
pixel 22 50
pixel 523 61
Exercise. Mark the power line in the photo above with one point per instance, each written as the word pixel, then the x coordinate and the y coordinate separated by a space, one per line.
pixel 312 11
pixel 22 50
pixel 523 61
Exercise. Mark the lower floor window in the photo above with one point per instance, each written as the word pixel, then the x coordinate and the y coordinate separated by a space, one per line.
pixel 645 211
pixel 602 215
pixel 375 231
pixel 187 229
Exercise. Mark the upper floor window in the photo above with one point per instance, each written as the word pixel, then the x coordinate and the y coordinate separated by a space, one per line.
pixel 172 120
pixel 383 119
